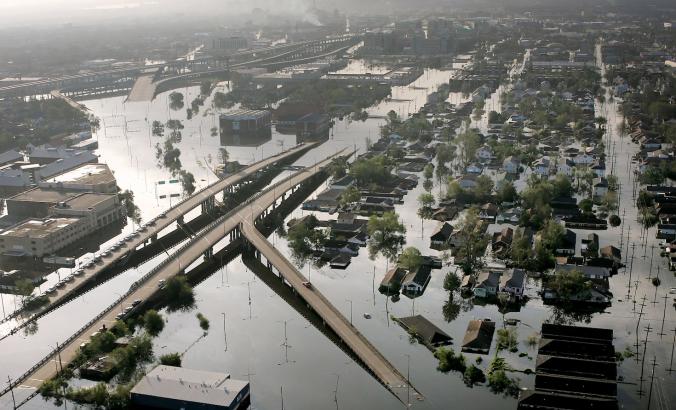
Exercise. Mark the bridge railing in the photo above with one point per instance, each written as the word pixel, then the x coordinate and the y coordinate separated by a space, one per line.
pixel 202 190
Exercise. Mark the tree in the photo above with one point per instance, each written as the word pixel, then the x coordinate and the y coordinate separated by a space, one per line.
pixel 204 322
pixel 371 171
pixel 428 172
pixel 507 193
pixel 586 206
pixel 205 88
pixel 410 259
pixel 386 235
pixel 473 242
pixel 470 142
pixel 187 181
pixel 338 167
pixel 304 239
pixel 614 220
pixel 179 293
pixel 448 360
pixel 550 237
pixel 127 201
pixel 425 201
pixel 176 100
pixel 451 282
pixel 24 287
pixel 521 252
pixel 473 375
pixel 483 189
pixel 350 195
pixel 223 155
pixel 506 339
pixel 569 283
pixel 171 359
pixel 562 186
pixel 652 176
pixel 153 323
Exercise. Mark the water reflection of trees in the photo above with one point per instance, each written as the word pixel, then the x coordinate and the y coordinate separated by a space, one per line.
pixel 568 315
pixel 452 307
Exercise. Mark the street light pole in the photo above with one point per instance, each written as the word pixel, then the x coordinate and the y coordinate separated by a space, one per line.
pixel 350 300
pixel 225 334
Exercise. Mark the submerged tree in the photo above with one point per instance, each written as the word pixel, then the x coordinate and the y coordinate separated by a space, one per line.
pixel 386 235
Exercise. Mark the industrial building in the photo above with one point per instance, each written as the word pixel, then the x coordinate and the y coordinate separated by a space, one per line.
pixel 167 387
pixel 87 178
pixel 65 222
pixel 246 123
pixel 36 202
pixel 40 237
pixel 98 210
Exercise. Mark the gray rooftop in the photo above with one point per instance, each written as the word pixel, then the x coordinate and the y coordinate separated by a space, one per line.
pixel 196 386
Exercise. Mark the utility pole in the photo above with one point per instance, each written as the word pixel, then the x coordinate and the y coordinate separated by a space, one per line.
pixel 657 278
pixel 335 392
pixel 248 285
pixel 626 255
pixel 631 268
pixel 638 323
pixel 624 211
pixel 58 353
pixel 225 333
pixel 671 361
pixel 281 393
pixel 11 389
pixel 650 271
pixel 645 346
pixel 652 378
pixel 664 314
pixel 373 285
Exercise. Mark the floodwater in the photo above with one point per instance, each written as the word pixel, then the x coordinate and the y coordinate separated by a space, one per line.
pixel 256 335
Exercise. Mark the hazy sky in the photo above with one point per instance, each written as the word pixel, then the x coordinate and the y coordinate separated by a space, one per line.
pixel 22 12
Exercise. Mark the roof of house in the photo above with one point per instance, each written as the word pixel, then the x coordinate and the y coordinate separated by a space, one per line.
pixel 513 278
pixel 505 235
pixel 443 232
pixel 576 349
pixel 420 276
pixel 599 369
pixel 10 156
pixel 394 276
pixel 427 330
pixel 479 334
pixel 488 279
pixel 569 238
pixel 610 251
pixel 585 269
pixel 554 331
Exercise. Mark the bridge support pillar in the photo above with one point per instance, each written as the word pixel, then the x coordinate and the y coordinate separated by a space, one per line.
pixel 208 204
pixel 209 254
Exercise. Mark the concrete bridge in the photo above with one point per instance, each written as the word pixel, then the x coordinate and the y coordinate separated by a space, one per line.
pixel 205 198
pixel 238 225
pixel 122 79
